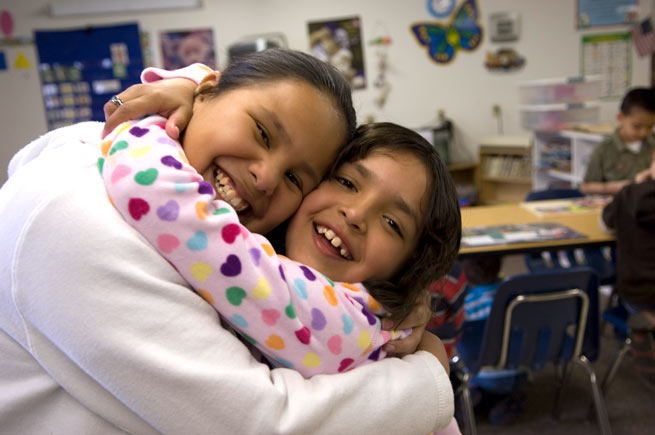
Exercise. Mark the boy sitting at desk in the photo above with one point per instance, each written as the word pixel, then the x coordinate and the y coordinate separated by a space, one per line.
pixel 624 156
pixel 631 215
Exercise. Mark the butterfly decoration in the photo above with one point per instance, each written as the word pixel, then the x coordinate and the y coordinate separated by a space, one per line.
pixel 442 42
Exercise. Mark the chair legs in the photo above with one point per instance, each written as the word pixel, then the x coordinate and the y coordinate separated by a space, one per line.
pixel 467 406
pixel 611 372
pixel 563 376
pixel 599 401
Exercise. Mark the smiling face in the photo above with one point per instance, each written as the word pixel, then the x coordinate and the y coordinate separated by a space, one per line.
pixel 365 221
pixel 636 125
pixel 263 147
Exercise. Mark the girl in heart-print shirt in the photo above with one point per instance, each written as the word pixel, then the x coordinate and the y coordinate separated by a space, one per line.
pixel 368 222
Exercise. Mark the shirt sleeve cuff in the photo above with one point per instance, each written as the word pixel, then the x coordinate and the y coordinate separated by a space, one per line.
pixel 444 401
pixel 194 72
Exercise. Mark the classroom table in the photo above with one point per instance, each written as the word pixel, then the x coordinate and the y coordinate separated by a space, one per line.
pixel 585 223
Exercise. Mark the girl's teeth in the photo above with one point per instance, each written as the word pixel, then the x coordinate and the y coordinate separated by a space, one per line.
pixel 223 187
pixel 333 239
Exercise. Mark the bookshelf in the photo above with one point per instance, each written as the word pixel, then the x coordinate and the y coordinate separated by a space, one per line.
pixel 561 157
pixel 505 173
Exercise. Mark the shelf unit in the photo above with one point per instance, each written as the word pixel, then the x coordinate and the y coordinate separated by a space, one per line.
pixel 464 177
pixel 505 171
pixel 561 157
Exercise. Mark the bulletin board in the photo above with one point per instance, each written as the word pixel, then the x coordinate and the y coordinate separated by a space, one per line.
pixel 81 69
pixel 609 56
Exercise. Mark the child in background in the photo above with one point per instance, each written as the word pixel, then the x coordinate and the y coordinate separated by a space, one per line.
pixel 345 228
pixel 624 156
pixel 482 274
pixel 447 307
pixel 500 390
pixel 631 215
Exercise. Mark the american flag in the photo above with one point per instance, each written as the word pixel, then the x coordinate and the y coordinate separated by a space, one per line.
pixel 644 37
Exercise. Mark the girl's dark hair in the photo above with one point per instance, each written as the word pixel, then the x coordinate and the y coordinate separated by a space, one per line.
pixel 282 64
pixel 441 231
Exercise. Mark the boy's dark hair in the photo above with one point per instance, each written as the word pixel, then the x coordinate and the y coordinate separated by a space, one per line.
pixel 280 64
pixel 640 98
pixel 439 239
pixel 482 270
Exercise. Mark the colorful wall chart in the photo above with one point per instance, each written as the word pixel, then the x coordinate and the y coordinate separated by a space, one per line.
pixel 81 69
pixel 609 56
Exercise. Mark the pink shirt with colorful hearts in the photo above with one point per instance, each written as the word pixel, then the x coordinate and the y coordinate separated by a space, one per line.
pixel 293 314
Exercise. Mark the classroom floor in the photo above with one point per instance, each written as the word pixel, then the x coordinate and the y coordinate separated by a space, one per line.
pixel 630 403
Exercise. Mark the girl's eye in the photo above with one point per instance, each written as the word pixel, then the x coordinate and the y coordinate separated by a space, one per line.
pixel 264 135
pixel 295 180
pixel 345 183
pixel 394 226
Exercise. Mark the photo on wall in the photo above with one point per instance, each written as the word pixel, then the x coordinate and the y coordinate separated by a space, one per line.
pixel 183 47
pixel 339 42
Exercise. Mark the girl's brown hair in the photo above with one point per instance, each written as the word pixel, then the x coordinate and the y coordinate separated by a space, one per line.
pixel 441 229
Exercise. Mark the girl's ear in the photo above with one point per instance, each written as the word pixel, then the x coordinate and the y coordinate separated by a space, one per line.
pixel 208 82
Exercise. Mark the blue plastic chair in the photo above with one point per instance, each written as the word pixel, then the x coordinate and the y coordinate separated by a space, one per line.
pixel 539 318
pixel 592 257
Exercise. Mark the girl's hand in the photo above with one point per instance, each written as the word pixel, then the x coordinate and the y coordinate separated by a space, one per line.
pixel 431 343
pixel 417 320
pixel 171 98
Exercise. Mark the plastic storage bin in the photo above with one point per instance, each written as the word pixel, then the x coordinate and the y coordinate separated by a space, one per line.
pixel 558 116
pixel 561 90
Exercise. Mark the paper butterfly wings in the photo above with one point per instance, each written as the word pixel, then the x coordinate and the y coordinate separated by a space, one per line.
pixel 443 42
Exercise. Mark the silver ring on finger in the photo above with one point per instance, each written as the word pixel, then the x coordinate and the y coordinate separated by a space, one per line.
pixel 117 101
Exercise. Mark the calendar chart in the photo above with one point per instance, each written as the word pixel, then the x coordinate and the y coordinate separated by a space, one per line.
pixel 610 57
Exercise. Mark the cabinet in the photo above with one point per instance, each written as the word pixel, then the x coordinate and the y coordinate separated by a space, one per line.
pixel 561 157
pixel 505 173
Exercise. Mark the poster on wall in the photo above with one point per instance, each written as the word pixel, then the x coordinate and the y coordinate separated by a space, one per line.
pixel 592 13
pixel 183 47
pixel 609 56
pixel 339 43
pixel 443 41
pixel 81 69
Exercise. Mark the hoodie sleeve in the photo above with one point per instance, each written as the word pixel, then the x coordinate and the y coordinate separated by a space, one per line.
pixel 194 72
pixel 609 214
pixel 295 315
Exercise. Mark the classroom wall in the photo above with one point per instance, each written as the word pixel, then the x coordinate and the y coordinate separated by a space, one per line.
pixel 464 89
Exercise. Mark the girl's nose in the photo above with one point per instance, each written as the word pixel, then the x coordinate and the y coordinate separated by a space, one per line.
pixel 355 216
pixel 266 178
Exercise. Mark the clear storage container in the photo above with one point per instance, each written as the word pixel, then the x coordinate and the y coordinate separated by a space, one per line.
pixel 558 116
pixel 560 90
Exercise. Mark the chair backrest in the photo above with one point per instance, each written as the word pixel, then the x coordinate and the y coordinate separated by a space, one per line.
pixel 536 318
pixel 542 195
